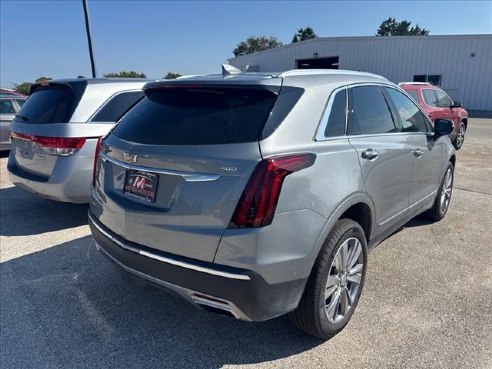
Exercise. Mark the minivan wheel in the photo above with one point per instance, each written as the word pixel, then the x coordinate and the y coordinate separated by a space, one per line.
pixel 460 136
pixel 335 284
pixel 443 199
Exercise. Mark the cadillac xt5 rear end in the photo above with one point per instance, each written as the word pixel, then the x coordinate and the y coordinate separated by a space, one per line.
pixel 217 187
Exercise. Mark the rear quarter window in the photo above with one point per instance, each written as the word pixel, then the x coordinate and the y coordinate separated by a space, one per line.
pixel 336 120
pixel 117 105
pixel 197 116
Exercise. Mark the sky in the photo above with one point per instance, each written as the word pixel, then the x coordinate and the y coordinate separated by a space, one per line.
pixel 47 38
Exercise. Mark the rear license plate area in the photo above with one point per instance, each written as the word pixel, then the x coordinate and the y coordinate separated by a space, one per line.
pixel 141 185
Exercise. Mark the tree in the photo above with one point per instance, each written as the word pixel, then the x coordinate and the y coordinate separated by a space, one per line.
pixel 41 79
pixel 390 27
pixel 23 87
pixel 125 74
pixel 303 34
pixel 172 75
pixel 254 44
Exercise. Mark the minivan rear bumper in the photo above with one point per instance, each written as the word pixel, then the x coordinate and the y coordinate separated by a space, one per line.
pixel 235 292
pixel 69 181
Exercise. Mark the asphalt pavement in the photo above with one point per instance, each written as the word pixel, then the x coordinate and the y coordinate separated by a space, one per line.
pixel 427 301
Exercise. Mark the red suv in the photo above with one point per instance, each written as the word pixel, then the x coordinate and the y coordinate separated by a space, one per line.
pixel 438 105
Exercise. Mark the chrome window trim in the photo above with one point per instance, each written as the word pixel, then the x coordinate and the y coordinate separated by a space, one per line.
pixel 163 259
pixel 187 176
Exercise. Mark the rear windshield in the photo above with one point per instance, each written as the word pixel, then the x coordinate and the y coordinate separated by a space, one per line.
pixel 54 103
pixel 197 116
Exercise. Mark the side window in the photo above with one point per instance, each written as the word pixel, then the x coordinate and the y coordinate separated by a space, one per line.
pixel 368 112
pixel 411 118
pixel 20 102
pixel 430 98
pixel 117 106
pixel 443 100
pixel 413 95
pixel 6 107
pixel 336 119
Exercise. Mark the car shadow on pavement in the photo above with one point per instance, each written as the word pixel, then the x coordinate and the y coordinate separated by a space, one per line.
pixel 68 306
pixel 23 214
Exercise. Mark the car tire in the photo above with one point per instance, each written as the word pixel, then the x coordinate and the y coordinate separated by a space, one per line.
pixel 460 137
pixel 443 199
pixel 335 284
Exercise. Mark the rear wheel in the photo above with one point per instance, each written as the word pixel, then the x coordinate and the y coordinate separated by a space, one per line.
pixel 460 136
pixel 336 282
pixel 443 199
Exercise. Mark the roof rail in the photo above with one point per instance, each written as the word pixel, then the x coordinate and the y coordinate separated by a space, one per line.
pixel 312 72
pixel 414 83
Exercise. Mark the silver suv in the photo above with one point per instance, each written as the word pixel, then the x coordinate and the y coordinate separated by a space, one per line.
pixel 256 195
pixel 55 133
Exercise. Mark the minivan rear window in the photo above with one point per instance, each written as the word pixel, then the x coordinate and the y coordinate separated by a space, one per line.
pixel 197 116
pixel 53 103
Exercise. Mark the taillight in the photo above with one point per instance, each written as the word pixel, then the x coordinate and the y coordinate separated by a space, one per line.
pixel 257 204
pixel 53 145
pixel 96 158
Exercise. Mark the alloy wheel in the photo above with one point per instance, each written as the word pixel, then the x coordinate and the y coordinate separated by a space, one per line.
pixel 447 188
pixel 461 136
pixel 344 279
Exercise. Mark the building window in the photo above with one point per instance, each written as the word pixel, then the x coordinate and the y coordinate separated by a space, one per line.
pixel 433 79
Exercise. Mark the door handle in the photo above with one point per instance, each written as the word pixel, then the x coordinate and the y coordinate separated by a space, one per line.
pixel 417 152
pixel 369 154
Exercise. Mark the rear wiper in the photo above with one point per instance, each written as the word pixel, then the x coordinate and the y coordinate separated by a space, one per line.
pixel 21 117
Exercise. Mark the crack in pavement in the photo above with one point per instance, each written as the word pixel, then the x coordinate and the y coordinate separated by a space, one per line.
pixel 467 190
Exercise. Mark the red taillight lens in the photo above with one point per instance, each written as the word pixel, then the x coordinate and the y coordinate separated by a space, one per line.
pixel 53 145
pixel 257 204
pixel 96 158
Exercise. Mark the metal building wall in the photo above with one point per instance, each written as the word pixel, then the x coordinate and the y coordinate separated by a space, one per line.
pixel 467 78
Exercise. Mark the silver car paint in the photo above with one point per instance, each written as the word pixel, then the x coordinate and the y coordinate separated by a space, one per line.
pixel 68 178
pixel 311 200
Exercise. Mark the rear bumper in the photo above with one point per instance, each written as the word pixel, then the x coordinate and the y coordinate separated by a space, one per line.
pixel 236 292
pixel 69 181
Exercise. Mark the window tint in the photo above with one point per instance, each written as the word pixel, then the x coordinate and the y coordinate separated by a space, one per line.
pixel 197 116
pixel 20 102
pixel 368 112
pixel 54 103
pixel 117 106
pixel 430 97
pixel 411 118
pixel 6 107
pixel 443 100
pixel 336 119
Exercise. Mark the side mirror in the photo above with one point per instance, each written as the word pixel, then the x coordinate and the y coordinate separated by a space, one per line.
pixel 456 104
pixel 442 127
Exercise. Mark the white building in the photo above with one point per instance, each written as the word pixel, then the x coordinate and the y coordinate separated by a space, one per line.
pixel 460 64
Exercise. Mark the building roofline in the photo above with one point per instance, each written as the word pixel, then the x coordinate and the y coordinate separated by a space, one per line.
pixel 359 38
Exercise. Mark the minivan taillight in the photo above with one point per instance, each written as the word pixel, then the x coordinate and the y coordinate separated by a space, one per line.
pixel 96 158
pixel 257 204
pixel 63 146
